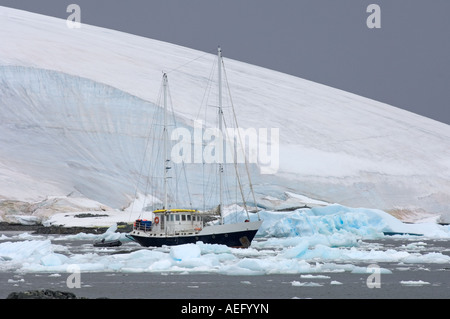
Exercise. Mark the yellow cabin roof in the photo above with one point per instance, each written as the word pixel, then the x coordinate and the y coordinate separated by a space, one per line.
pixel 175 210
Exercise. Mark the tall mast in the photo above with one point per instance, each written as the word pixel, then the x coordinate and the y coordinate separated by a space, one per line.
pixel 219 63
pixel 165 140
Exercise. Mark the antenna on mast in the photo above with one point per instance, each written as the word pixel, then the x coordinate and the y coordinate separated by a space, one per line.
pixel 166 160
pixel 219 63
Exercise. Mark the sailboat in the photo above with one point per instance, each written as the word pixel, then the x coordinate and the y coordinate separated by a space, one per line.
pixel 177 226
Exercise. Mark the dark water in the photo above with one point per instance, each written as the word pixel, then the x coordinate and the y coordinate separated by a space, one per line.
pixel 156 286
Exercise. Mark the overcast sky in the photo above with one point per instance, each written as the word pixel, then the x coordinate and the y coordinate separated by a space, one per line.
pixel 405 63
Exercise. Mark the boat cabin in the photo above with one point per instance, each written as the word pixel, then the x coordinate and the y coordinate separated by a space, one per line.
pixel 171 222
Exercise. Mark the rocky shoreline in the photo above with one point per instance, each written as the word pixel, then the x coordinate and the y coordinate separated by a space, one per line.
pixel 43 294
pixel 61 230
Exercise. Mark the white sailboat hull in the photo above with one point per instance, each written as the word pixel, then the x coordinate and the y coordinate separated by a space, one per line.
pixel 230 228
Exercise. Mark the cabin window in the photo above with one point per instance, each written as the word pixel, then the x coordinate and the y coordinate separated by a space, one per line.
pixel 183 218
pixel 171 218
pixel 189 217
pixel 177 218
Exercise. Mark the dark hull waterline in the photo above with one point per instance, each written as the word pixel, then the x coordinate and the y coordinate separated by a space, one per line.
pixel 233 239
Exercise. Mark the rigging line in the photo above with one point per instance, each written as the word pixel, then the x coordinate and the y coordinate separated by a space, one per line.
pixel 203 105
pixel 154 167
pixel 174 173
pixel 189 62
pixel 203 185
pixel 208 88
pixel 238 178
pixel 152 177
pixel 207 184
pixel 183 163
pixel 142 166
pixel 240 139
pixel 183 173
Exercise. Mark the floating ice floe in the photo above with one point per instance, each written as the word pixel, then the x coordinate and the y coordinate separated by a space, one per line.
pixel 418 283
pixel 306 241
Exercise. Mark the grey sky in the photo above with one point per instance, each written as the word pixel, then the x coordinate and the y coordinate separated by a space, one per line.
pixel 406 63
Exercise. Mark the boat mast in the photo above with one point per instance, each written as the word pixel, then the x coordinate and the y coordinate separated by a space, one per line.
pixel 165 141
pixel 219 63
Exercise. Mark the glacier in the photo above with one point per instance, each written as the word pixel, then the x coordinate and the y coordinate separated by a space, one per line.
pixel 67 129
pixel 76 105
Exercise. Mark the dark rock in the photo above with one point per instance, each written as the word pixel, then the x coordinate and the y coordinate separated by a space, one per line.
pixel 61 230
pixel 42 294
pixel 89 215
pixel 69 230
pixel 4 226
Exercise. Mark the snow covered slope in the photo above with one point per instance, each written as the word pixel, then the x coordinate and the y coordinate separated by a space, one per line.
pixel 75 106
